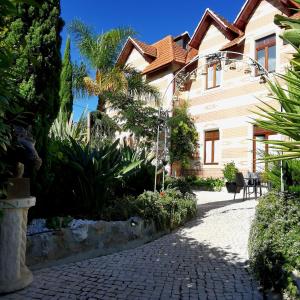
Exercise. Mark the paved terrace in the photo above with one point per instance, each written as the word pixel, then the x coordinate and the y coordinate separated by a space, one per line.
pixel 207 259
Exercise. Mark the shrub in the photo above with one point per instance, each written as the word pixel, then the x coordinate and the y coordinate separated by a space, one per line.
pixel 230 171
pixel 184 136
pixel 208 184
pixel 274 243
pixel 82 180
pixel 168 209
pixel 181 183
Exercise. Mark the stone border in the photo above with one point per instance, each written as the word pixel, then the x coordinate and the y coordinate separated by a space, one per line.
pixel 88 241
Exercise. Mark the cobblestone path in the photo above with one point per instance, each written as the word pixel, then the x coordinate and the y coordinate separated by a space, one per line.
pixel 206 259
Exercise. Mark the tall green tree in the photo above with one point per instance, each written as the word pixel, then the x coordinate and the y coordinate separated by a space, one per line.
pixel 34 35
pixel 66 86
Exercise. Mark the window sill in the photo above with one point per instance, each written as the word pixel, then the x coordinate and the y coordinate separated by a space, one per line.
pixel 211 164
pixel 212 90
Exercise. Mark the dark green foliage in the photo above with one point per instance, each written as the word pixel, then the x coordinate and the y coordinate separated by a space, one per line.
pixel 179 183
pixel 143 177
pixel 168 210
pixel 103 129
pixel 34 36
pixel 141 120
pixel 230 171
pixel 82 181
pixel 85 178
pixel 274 243
pixel 291 175
pixel 66 83
pixel 207 184
pixel 184 136
pixel 10 111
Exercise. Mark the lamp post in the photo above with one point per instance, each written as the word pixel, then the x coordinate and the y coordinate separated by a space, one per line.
pixel 225 57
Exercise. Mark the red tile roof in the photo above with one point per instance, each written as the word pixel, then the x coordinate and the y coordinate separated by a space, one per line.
pixel 159 54
pixel 192 53
pixel 147 49
pixel 167 52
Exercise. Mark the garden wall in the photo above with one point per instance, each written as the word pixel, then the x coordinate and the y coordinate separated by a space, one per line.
pixel 87 241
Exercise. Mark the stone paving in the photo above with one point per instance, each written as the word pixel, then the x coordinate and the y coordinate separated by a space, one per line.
pixel 207 259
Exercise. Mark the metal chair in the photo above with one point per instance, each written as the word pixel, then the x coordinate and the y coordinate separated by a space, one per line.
pixel 241 183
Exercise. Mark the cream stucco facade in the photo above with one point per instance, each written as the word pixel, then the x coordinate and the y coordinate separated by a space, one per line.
pixel 227 108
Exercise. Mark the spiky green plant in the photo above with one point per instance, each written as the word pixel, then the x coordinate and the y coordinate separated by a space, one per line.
pixel 286 90
pixel 64 128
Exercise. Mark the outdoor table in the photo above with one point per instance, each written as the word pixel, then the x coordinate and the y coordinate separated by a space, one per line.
pixel 255 183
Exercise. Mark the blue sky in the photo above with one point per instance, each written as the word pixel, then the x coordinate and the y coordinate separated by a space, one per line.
pixel 152 20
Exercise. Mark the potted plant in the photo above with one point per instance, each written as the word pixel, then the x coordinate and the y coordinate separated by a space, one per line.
pixel 229 173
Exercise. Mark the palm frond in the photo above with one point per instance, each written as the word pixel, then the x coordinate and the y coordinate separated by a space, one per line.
pixel 85 40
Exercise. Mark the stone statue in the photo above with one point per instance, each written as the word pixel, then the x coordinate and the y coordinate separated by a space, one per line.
pixel 24 154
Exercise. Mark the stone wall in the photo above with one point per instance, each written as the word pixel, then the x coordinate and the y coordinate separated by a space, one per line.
pixel 87 241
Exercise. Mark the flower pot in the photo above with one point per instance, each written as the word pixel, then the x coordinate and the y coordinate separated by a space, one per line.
pixel 232 188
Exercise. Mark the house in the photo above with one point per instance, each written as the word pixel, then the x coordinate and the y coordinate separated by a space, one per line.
pixel 223 97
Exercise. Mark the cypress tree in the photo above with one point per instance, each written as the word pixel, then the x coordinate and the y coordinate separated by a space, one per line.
pixel 66 93
pixel 35 38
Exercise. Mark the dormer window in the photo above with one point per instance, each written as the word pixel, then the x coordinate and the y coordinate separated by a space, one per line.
pixel 213 77
pixel 266 52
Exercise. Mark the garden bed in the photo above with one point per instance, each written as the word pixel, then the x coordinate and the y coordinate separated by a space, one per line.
pixel 63 238
pixel 88 240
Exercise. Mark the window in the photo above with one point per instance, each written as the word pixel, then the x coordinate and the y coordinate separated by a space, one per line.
pixel 259 148
pixel 266 52
pixel 213 77
pixel 211 147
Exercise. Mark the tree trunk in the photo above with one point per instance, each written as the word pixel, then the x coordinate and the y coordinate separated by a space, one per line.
pixel 101 104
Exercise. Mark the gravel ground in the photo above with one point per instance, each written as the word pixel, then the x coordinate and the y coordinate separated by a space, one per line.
pixel 207 259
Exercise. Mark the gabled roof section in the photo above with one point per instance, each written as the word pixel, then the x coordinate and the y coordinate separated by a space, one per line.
pixel 167 52
pixel 158 55
pixel 207 19
pixel 235 42
pixel 249 6
pixel 145 50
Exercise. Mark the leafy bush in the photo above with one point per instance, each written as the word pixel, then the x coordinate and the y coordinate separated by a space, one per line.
pixel 184 136
pixel 180 183
pixel 230 171
pixel 291 175
pixel 274 244
pixel 168 209
pixel 208 184
pixel 82 180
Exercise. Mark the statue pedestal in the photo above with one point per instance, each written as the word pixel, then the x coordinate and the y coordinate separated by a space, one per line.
pixel 14 274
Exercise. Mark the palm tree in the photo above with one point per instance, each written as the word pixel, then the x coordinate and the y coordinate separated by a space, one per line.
pixel 112 83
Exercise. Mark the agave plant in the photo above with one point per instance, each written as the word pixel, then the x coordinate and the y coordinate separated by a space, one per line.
pixel 64 129
pixel 96 172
